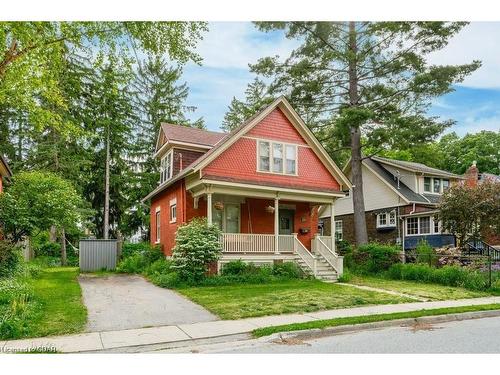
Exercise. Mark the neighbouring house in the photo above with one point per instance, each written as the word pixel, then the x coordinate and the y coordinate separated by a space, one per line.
pixel 262 184
pixel 401 200
pixel 473 177
pixel 5 171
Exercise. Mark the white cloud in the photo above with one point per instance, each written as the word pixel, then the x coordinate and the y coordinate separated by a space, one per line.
pixel 477 41
pixel 237 44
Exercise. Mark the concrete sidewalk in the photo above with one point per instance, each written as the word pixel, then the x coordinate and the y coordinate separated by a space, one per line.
pixel 111 340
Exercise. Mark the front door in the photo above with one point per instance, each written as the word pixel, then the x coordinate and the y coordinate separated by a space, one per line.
pixel 286 221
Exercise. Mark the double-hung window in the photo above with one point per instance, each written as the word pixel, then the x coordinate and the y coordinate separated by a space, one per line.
pixel 427 184
pixel 173 210
pixel 166 167
pixel 158 224
pixel 276 157
pixel 436 185
pixel 338 230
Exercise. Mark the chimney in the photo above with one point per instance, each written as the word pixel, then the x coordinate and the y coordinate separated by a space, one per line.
pixel 472 175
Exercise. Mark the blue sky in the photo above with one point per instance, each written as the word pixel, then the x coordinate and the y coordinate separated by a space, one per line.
pixel 229 47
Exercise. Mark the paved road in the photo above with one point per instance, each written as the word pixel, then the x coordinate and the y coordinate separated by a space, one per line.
pixel 468 336
pixel 123 302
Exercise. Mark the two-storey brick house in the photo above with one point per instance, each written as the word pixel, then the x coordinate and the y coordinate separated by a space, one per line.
pixel 262 184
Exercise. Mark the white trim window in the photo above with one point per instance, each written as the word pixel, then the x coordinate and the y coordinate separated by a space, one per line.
pixel 158 224
pixel 386 219
pixel 173 210
pixel 435 185
pixel 338 230
pixel 422 225
pixel 166 167
pixel 276 157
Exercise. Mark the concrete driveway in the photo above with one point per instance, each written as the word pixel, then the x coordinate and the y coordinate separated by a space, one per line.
pixel 118 302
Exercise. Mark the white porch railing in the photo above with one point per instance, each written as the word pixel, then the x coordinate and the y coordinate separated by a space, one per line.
pixel 255 243
pixel 304 254
pixel 320 246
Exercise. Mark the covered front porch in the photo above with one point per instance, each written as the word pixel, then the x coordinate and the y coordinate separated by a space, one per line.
pixel 260 221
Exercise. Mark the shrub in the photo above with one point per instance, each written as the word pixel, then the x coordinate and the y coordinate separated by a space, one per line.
pixel 159 267
pixel 235 267
pixel 10 258
pixel 425 253
pixel 447 275
pixel 344 249
pixel 375 257
pixel 49 249
pixel 133 264
pixel 287 270
pixel 166 280
pixel 346 276
pixel 197 245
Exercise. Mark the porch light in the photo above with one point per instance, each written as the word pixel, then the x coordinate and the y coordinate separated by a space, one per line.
pixel 219 206
pixel 269 209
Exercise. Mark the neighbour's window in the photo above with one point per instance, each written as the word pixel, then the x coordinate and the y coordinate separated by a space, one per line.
pixel 446 185
pixel 291 159
pixel 436 225
pixel 173 210
pixel 427 184
pixel 412 225
pixel 166 167
pixel 277 157
pixel 158 222
pixel 264 149
pixel 386 219
pixel 436 185
pixel 425 225
pixel 338 230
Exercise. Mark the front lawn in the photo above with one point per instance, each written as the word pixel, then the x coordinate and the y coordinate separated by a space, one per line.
pixel 250 300
pixel 424 290
pixel 51 305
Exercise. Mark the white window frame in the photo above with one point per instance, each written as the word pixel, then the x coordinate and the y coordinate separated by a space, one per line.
pixel 173 210
pixel 284 146
pixel 387 216
pixel 419 226
pixel 166 171
pixel 158 224
pixel 432 179
pixel 339 230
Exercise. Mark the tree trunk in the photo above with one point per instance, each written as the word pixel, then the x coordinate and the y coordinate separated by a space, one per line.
pixel 106 189
pixel 360 233
pixel 52 234
pixel 63 248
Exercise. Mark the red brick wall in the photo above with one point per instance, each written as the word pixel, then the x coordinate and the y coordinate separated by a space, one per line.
pixel 1 184
pixel 239 162
pixel 407 209
pixel 263 222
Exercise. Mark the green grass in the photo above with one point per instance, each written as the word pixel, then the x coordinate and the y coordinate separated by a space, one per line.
pixel 428 291
pixel 250 300
pixel 321 324
pixel 62 310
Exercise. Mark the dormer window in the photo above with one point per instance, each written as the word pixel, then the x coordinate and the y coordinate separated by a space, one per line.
pixel 166 167
pixel 436 185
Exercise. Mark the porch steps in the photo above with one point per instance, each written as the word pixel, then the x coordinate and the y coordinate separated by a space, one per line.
pixel 324 271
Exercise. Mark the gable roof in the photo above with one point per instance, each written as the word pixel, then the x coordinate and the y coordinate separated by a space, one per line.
pixel 415 167
pixel 230 138
pixel 178 133
pixel 5 170
pixel 403 190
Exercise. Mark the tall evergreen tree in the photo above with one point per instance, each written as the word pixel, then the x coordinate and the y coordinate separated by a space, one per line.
pixel 256 96
pixel 365 84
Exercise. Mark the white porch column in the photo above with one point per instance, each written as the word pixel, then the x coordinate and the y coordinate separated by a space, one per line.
pixel 332 225
pixel 209 208
pixel 276 225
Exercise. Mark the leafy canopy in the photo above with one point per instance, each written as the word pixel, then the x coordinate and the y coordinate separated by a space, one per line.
pixel 35 201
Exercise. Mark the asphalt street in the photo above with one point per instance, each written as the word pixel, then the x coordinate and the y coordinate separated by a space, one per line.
pixel 467 336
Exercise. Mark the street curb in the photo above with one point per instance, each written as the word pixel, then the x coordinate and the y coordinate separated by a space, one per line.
pixel 331 331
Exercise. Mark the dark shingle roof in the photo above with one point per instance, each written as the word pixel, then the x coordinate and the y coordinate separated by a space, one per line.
pixel 404 190
pixel 416 167
pixel 191 135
